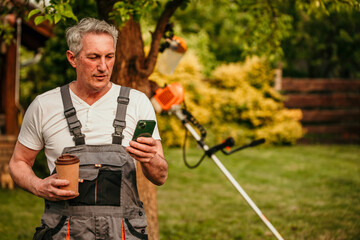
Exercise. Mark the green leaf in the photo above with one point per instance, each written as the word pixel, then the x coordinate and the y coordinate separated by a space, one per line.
pixel 54 2
pixel 118 5
pixel 49 18
pixel 33 12
pixel 39 19
pixel 60 8
pixel 49 9
pixel 68 12
pixel 57 18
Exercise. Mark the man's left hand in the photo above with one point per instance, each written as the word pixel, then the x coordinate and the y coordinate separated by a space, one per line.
pixel 149 153
pixel 143 149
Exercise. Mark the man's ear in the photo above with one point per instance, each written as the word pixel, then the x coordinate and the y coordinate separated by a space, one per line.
pixel 71 58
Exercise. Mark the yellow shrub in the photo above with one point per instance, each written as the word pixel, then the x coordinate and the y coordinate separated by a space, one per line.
pixel 237 101
pixel 286 132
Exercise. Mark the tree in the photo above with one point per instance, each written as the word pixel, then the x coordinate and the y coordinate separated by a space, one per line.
pixel 322 34
pixel 323 44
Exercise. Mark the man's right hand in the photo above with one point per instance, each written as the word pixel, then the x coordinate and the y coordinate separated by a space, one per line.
pixel 20 167
pixel 49 188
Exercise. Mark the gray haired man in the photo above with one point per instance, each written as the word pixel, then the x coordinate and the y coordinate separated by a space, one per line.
pixel 93 119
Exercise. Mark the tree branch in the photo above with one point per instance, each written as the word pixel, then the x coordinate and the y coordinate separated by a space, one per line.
pixel 145 72
pixel 157 35
pixel 104 8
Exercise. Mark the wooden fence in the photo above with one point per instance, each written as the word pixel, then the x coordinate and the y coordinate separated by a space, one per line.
pixel 331 108
pixel 6 149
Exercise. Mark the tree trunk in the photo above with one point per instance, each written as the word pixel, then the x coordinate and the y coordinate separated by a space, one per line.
pixel 129 50
pixel 130 56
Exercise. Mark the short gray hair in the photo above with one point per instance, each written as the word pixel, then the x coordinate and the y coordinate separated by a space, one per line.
pixel 75 33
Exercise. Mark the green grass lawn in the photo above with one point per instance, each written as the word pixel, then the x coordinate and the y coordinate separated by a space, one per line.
pixel 307 192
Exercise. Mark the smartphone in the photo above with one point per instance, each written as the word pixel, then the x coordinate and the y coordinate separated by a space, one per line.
pixel 144 128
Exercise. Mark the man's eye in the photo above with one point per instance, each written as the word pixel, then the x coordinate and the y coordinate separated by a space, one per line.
pixel 110 56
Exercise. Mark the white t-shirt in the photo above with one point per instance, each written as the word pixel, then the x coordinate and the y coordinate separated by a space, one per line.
pixel 45 125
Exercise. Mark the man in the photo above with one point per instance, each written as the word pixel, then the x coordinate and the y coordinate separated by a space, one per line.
pixel 90 114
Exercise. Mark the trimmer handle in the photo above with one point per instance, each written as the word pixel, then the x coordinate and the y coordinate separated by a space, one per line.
pixel 229 142
pixel 252 144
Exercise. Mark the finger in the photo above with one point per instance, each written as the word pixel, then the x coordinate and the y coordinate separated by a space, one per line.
pixel 59 183
pixel 140 152
pixel 55 176
pixel 61 194
pixel 53 180
pixel 142 147
pixel 140 159
pixel 60 198
pixel 146 140
pixel 64 193
pixel 68 195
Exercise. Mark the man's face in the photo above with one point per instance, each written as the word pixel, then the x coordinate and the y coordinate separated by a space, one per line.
pixel 95 62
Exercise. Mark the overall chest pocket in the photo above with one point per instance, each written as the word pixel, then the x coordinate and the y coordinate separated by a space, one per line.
pixel 98 185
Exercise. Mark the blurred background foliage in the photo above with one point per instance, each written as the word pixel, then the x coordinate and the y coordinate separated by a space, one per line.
pixel 318 38
pixel 324 44
pixel 53 69
pixel 229 71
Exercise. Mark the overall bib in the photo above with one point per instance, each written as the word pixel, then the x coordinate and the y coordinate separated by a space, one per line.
pixel 108 206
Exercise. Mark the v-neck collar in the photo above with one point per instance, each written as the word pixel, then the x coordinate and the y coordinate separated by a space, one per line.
pixel 81 101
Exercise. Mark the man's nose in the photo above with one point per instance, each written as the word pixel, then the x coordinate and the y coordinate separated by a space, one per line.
pixel 102 64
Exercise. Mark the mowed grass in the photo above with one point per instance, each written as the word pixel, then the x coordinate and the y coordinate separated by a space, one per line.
pixel 307 192
pixel 20 213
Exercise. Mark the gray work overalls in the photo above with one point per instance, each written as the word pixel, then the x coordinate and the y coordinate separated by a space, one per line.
pixel 108 206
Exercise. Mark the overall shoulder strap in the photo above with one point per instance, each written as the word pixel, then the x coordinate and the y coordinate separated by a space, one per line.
pixel 71 118
pixel 119 121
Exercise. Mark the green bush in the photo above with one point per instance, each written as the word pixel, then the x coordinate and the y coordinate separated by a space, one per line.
pixel 237 101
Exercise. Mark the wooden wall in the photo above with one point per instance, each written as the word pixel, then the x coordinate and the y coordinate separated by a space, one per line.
pixel 331 108
pixel 33 36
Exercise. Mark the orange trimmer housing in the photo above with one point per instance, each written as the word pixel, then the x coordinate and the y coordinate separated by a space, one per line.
pixel 172 94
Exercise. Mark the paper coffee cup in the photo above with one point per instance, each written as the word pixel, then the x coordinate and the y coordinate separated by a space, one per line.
pixel 67 167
